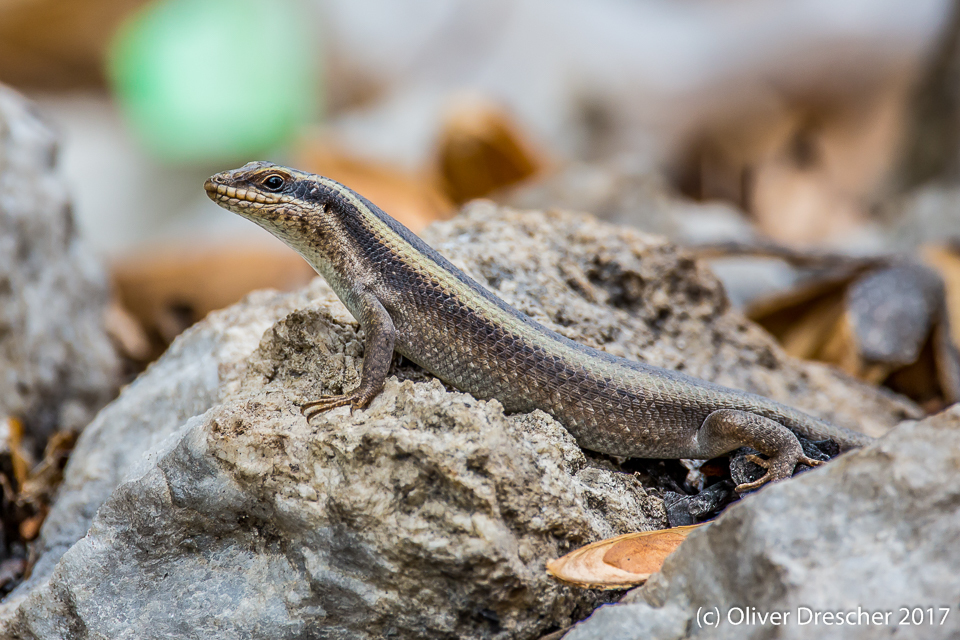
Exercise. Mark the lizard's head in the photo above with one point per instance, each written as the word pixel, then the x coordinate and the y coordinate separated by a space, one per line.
pixel 306 211
pixel 293 205
pixel 261 191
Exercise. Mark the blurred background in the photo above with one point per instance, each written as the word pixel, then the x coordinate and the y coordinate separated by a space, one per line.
pixel 810 150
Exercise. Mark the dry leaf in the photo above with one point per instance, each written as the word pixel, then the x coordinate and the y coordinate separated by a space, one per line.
pixel 30 527
pixel 801 167
pixel 20 459
pixel 168 288
pixel 832 319
pixel 126 333
pixel 44 478
pixel 802 318
pixel 619 563
pixel 946 261
pixel 481 149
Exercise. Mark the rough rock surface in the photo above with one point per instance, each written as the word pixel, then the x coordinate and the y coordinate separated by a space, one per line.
pixel 200 502
pixel 58 366
pixel 874 531
pixel 430 513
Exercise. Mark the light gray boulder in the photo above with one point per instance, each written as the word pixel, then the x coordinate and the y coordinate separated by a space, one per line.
pixel 201 503
pixel 57 365
pixel 871 536
pixel 429 513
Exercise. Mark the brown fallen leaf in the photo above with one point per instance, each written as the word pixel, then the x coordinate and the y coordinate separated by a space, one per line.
pixel 20 459
pixel 885 320
pixel 30 527
pixel 126 333
pixel 619 563
pixel 945 259
pixel 165 288
pixel 41 484
pixel 481 149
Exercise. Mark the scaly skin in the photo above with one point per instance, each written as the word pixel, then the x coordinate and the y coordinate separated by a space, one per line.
pixel 409 298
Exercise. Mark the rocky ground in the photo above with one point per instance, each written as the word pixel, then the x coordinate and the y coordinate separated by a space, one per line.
pixel 863 548
pixel 201 503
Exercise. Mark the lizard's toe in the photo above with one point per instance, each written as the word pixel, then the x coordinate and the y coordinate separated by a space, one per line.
pixel 779 467
pixel 810 462
pixel 325 403
pixel 756 484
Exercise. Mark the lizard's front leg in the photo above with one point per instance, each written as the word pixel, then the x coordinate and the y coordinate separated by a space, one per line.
pixel 727 429
pixel 377 356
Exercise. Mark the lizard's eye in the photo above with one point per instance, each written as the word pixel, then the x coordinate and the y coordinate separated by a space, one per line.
pixel 273 182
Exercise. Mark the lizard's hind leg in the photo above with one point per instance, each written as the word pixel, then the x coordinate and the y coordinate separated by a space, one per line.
pixel 727 429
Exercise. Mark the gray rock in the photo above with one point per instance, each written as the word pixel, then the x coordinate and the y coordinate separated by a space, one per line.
pixel 200 368
pixel 58 364
pixel 926 214
pixel 622 622
pixel 200 502
pixel 874 531
pixel 428 514
pixel 625 191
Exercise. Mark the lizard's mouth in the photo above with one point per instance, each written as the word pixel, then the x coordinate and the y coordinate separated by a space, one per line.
pixel 237 197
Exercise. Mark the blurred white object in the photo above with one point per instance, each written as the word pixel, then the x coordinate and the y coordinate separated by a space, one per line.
pixel 122 197
pixel 647 72
pixel 589 78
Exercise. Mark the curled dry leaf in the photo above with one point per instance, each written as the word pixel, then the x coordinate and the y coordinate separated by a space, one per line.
pixel 20 458
pixel 481 149
pixel 884 320
pixel 619 563
pixel 945 259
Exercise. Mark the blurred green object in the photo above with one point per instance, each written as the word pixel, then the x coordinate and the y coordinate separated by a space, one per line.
pixel 216 80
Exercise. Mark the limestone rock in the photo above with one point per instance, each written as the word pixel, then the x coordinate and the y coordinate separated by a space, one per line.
pixel 874 531
pixel 58 365
pixel 200 502
pixel 428 514
pixel 128 435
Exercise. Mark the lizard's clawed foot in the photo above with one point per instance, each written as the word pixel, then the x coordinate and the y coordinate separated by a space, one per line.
pixel 778 468
pixel 326 403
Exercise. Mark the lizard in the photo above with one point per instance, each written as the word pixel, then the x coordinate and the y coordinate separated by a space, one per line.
pixel 408 298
